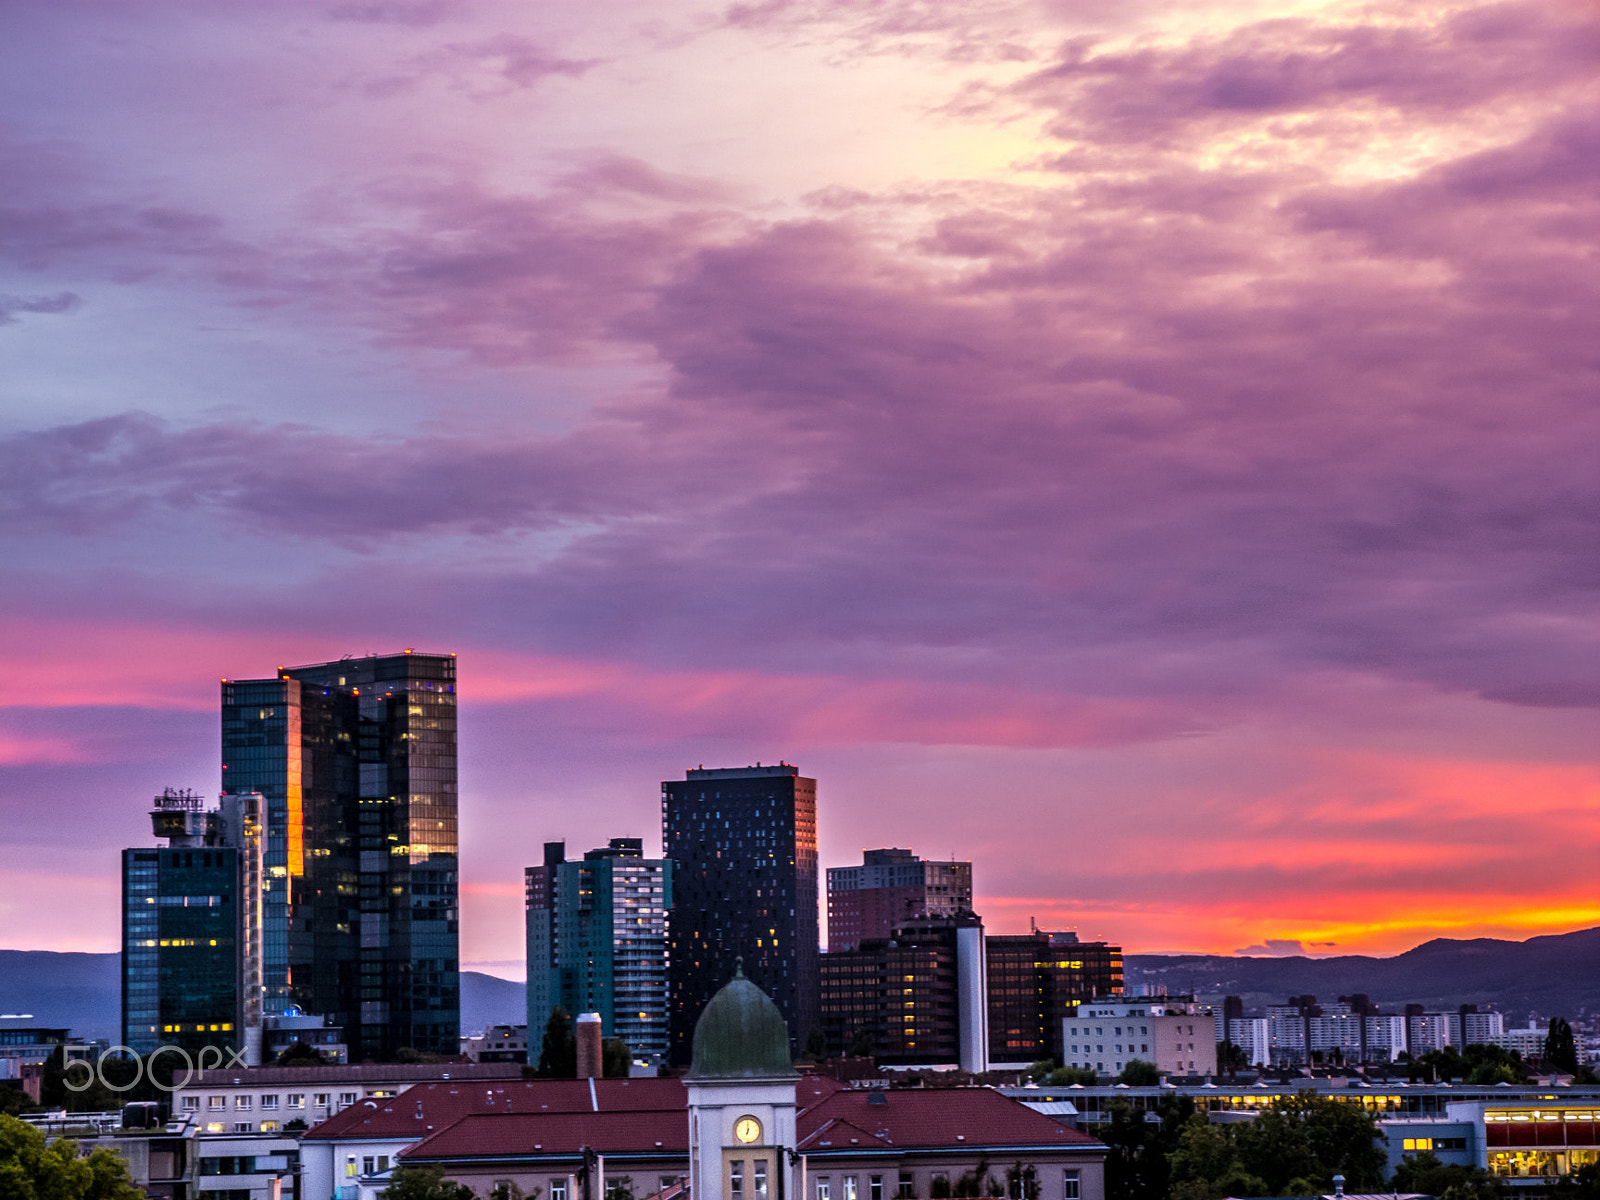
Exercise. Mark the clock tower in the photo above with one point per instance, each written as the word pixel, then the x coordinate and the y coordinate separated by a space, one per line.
pixel 741 1099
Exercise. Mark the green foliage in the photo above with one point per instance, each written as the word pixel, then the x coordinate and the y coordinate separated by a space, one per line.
pixel 1067 1076
pixel 616 1060
pixel 1424 1173
pixel 976 1182
pixel 410 1054
pixel 559 1057
pixel 863 1043
pixel 1040 1071
pixel 32 1170
pixel 1138 1073
pixel 816 1045
pixel 939 1188
pixel 301 1055
pixel 1478 1063
pixel 425 1183
pixel 619 1187
pixel 1139 1165
pixel 14 1100
pixel 1560 1047
pixel 1231 1057
pixel 1022 1181
pixel 1295 1147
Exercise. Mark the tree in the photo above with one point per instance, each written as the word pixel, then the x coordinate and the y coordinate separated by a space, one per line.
pixel 298 1054
pixel 30 1169
pixel 1231 1057
pixel 616 1060
pixel 410 1054
pixel 1142 1144
pixel 862 1043
pixel 1067 1076
pixel 1139 1073
pixel 425 1183
pixel 559 1058
pixel 1424 1173
pixel 1560 1048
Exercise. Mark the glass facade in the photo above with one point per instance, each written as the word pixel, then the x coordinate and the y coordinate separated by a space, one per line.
pixel 357 761
pixel 598 941
pixel 743 844
pixel 1037 979
pixel 180 948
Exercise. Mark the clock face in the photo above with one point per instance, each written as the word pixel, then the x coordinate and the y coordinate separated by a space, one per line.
pixel 747 1129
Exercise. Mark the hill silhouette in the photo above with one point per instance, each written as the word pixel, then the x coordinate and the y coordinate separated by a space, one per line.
pixel 1555 975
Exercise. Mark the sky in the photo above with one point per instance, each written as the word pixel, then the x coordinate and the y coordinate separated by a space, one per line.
pixel 1150 450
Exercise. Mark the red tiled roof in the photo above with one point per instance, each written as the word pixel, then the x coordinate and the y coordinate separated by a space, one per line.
pixel 916 1117
pixel 443 1104
pixel 513 1135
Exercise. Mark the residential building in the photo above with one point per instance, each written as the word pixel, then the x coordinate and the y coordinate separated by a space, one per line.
pixel 191 929
pixel 743 844
pixel 598 941
pixel 1037 979
pixel 902 999
pixel 356 760
pixel 292 1027
pixel 890 889
pixel 272 1099
pixel 1105 1035
pixel 497 1043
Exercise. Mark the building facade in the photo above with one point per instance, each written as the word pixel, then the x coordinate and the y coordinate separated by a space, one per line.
pixel 743 844
pixel 356 760
pixel 597 941
pixel 1035 981
pixel 891 888
pixel 1105 1036
pixel 914 999
pixel 191 929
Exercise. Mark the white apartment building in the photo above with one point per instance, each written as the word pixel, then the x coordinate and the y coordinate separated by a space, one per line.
pixel 1105 1036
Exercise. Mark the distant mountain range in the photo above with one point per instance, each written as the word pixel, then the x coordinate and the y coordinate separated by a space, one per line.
pixel 84 993
pixel 1551 976
pixel 1557 975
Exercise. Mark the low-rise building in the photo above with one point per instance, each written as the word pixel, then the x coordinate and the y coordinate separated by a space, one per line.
pixel 1107 1034
pixel 277 1099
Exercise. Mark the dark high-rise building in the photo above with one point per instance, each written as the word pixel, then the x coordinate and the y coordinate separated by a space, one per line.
pixel 191 936
pixel 743 844
pixel 357 761
pixel 597 941
pixel 889 889
pixel 1036 979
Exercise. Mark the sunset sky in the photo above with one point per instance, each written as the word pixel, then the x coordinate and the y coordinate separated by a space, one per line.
pixel 1149 449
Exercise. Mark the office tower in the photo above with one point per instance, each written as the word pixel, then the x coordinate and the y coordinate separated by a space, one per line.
pixel 357 761
pixel 191 934
pixel 1035 981
pixel 918 998
pixel 890 888
pixel 597 942
pixel 743 844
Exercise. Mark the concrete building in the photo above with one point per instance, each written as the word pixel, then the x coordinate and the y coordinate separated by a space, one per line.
pixel 1105 1035
pixel 918 998
pixel 597 941
pixel 890 889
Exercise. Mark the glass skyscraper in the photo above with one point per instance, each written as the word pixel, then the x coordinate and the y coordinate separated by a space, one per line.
pixel 191 929
pixel 743 845
pixel 356 760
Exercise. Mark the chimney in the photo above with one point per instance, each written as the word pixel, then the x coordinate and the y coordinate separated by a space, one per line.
pixel 587 1031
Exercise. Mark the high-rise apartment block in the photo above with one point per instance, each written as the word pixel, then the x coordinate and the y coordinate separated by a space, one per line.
pixel 890 888
pixel 1035 981
pixel 743 844
pixel 191 929
pixel 597 941
pixel 357 762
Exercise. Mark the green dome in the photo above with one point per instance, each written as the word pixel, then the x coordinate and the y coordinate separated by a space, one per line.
pixel 741 1035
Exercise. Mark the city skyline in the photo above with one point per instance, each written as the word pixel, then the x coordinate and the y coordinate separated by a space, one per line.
pixel 1144 449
